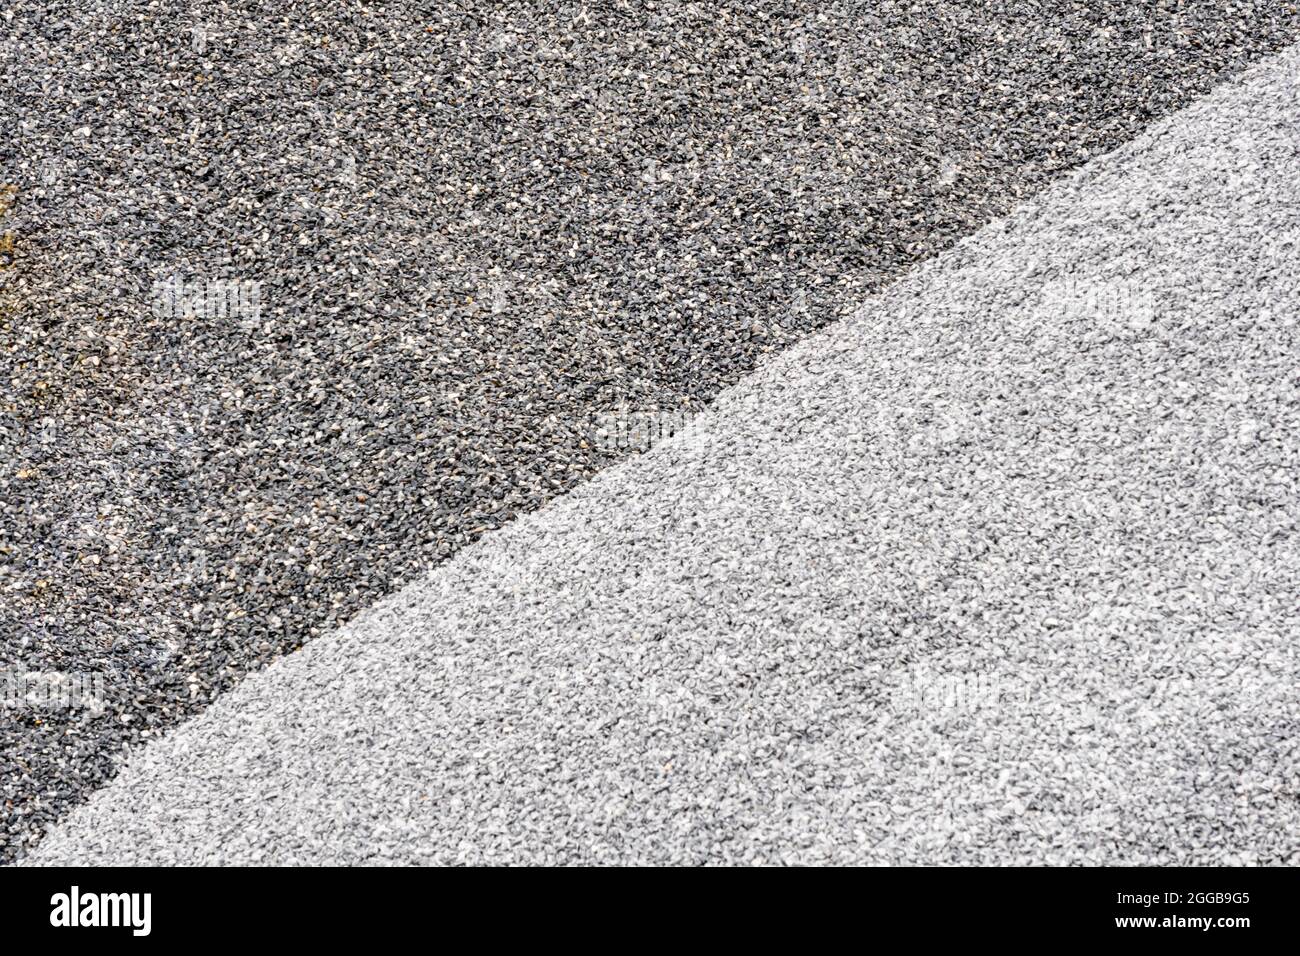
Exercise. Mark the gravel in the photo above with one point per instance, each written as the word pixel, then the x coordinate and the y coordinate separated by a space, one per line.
pixel 474 229
pixel 1000 570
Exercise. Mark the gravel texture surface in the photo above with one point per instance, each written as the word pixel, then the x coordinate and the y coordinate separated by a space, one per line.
pixel 1001 569
pixel 473 228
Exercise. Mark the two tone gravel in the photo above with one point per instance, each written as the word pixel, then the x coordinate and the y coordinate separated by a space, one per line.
pixel 419 249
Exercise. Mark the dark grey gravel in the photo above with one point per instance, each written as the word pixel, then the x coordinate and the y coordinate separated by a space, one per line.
pixel 474 229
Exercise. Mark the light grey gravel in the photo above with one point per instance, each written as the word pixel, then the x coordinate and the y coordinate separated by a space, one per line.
pixel 1001 570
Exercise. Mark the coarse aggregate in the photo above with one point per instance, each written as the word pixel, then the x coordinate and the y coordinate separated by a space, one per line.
pixel 474 227
pixel 1001 569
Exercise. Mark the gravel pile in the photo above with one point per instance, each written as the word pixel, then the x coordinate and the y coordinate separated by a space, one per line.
pixel 466 231
pixel 1000 570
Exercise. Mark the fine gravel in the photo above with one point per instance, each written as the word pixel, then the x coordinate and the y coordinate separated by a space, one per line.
pixel 474 227
pixel 1000 570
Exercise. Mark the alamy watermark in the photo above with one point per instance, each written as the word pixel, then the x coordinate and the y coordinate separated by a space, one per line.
pixel 175 298
pixel 51 690
pixel 77 909
pixel 627 429
pixel 964 691
pixel 1118 309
